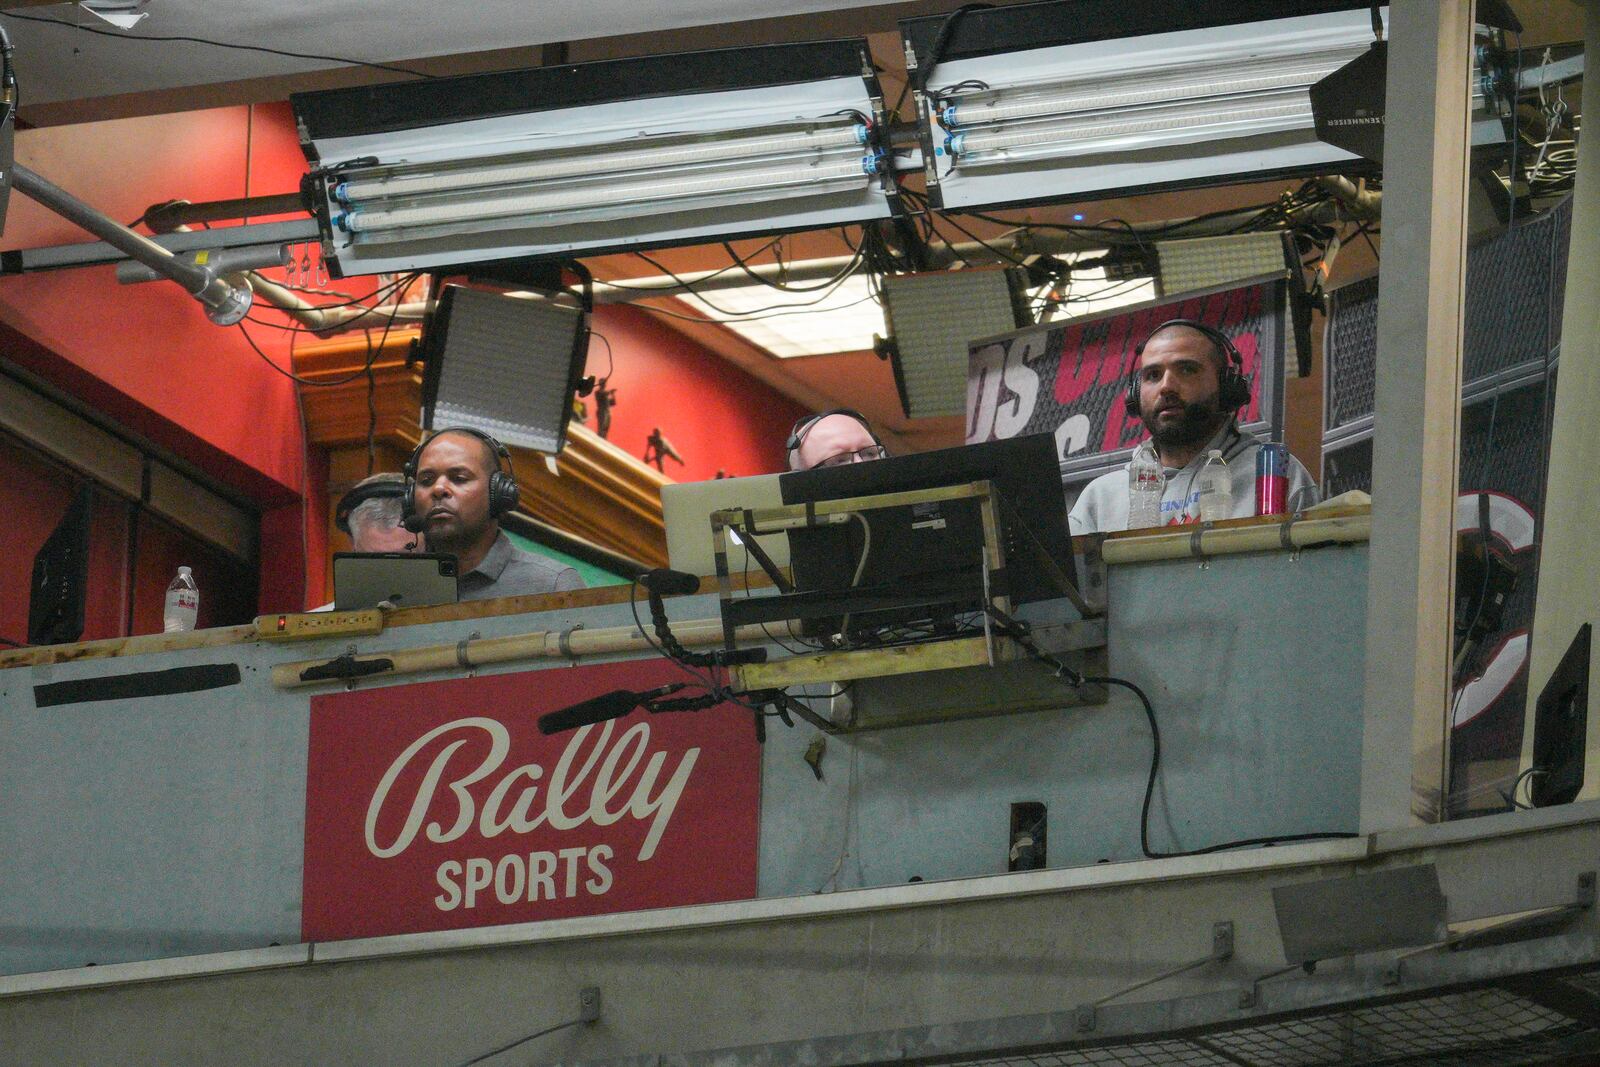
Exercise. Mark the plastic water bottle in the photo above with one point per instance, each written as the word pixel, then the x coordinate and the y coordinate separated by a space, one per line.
pixel 183 603
pixel 1216 488
pixel 1144 491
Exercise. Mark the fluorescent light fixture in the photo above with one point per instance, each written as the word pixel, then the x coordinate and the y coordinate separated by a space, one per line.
pixel 932 317
pixel 845 319
pixel 553 162
pixel 1124 99
pixel 506 365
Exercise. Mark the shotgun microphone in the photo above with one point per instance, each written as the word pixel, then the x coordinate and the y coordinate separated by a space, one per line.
pixel 665 582
pixel 612 705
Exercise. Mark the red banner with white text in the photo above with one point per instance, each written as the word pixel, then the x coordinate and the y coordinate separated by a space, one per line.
pixel 440 805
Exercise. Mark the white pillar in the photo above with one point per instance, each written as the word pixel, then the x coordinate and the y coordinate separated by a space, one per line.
pixel 1418 409
pixel 1569 553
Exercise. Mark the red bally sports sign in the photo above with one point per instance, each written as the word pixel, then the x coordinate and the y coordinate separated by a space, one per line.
pixel 440 805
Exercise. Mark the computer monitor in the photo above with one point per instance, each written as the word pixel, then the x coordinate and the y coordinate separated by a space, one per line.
pixel 1560 727
pixel 61 577
pixel 924 564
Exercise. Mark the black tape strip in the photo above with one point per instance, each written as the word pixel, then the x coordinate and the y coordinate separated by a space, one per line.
pixel 134 686
pixel 11 263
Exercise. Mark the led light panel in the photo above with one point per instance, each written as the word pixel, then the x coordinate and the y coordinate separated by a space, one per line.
pixel 1210 262
pixel 506 365
pixel 931 317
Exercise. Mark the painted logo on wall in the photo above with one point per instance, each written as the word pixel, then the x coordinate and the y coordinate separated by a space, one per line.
pixel 440 805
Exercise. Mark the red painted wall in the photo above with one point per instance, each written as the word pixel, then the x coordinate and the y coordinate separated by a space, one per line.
pixel 145 355
pixel 163 370
pixel 227 588
pixel 715 415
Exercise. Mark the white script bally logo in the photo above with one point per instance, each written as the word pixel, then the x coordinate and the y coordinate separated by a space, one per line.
pixel 614 784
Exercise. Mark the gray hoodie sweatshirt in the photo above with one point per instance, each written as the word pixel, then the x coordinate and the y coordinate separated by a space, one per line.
pixel 1102 507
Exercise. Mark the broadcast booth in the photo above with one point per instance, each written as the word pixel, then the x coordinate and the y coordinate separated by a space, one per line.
pixel 899 769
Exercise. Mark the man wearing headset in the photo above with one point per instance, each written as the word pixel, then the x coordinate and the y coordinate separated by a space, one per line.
pixel 1186 388
pixel 370 514
pixel 459 490
pixel 834 437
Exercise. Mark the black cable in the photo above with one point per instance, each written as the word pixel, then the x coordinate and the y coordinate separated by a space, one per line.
pixel 377 296
pixel 707 682
pixel 942 40
pixel 703 278
pixel 216 44
pixel 522 1041
pixel 372 353
pixel 1018 633
pixel 1366 234
pixel 372 405
pixel 1150 788
pixel 13 644
pixel 744 265
pixel 611 362
pixel 831 284
pixel 765 313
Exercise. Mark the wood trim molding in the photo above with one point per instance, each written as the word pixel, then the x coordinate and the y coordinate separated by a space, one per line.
pixel 593 488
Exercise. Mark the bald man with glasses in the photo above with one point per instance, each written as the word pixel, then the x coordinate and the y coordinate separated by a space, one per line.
pixel 832 439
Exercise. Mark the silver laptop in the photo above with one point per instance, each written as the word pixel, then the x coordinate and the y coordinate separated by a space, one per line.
pixel 363 580
pixel 687 509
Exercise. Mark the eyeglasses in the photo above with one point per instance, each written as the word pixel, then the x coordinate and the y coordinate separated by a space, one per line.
pixel 860 455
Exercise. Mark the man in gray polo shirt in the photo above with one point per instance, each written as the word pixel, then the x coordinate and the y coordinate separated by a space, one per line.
pixel 456 506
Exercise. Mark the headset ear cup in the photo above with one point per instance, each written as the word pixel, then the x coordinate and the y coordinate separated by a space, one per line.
pixel 1130 395
pixel 1235 392
pixel 503 496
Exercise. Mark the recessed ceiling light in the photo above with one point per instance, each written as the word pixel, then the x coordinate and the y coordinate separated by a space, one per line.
pixel 789 324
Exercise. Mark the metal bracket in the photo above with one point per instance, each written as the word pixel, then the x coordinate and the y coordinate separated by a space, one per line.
pixel 565 641
pixel 1251 994
pixel 1221 952
pixel 461 651
pixel 589 1004
pixel 1503 929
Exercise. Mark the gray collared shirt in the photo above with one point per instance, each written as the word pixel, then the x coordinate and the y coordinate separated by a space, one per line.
pixel 509 571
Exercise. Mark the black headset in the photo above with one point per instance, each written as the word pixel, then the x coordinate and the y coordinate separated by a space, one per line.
pixel 803 426
pixel 392 487
pixel 502 483
pixel 1233 387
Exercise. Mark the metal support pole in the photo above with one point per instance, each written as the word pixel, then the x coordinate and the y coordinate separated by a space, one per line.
pixel 1569 581
pixel 224 304
pixel 1418 408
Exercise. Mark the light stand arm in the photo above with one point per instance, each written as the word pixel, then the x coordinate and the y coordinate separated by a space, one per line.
pixel 225 304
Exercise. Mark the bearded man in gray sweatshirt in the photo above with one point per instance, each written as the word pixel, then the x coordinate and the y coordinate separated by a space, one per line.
pixel 1188 385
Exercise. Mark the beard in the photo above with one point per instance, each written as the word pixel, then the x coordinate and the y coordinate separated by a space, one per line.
pixel 1197 422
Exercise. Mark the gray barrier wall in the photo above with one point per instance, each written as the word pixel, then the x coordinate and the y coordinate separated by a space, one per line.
pixel 145 828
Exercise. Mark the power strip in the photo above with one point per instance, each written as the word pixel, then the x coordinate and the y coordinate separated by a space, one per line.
pixel 305 626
